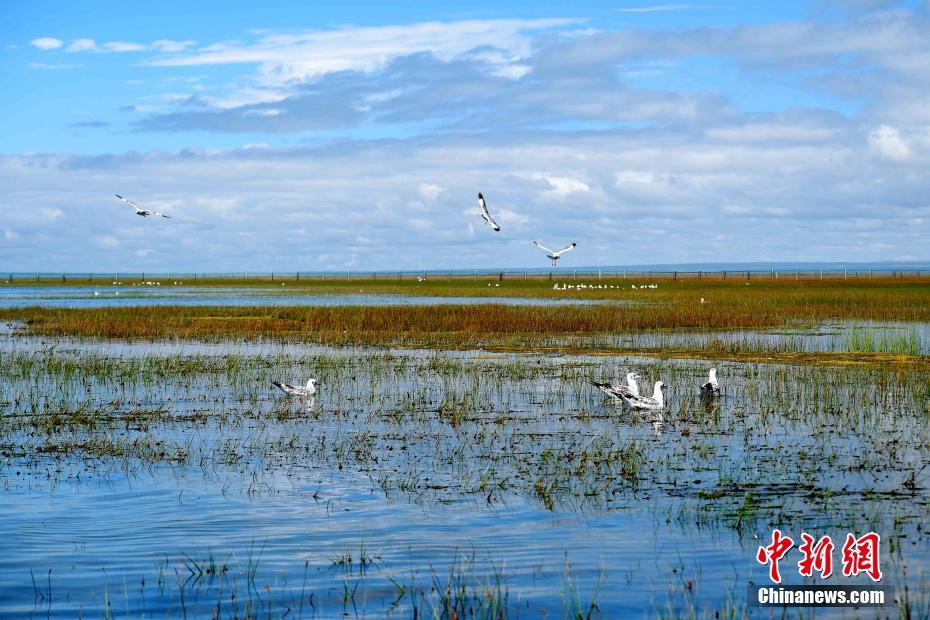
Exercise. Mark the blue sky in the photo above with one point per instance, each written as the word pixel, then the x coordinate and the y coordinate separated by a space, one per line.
pixel 356 135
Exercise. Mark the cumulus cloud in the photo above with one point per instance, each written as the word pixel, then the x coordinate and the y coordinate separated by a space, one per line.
pixel 814 199
pixel 46 43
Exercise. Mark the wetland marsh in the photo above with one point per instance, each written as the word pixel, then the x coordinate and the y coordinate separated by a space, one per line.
pixel 456 461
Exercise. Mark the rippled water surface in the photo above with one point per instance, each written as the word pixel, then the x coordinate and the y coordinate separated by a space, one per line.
pixel 157 480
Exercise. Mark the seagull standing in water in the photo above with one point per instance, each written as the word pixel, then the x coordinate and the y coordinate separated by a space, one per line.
pixel 656 401
pixel 291 390
pixel 485 215
pixel 711 388
pixel 631 389
pixel 139 210
pixel 553 255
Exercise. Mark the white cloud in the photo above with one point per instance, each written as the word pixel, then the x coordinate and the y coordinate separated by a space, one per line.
pixel 81 45
pixel 264 112
pixel 46 43
pixel 545 120
pixel 170 46
pixel 318 52
pixel 659 8
pixel 561 187
pixel 660 180
pixel 50 214
pixel 51 66
pixel 108 241
pixel 285 60
pixel 123 46
pixel 886 142
pixel 429 191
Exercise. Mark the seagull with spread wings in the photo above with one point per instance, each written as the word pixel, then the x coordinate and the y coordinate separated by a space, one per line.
pixel 139 210
pixel 552 255
pixel 485 215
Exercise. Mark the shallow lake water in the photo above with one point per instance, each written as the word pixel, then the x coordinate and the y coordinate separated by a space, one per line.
pixel 158 480
pixel 108 296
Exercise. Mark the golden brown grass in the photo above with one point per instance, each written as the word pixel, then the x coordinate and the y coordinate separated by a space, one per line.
pixel 673 306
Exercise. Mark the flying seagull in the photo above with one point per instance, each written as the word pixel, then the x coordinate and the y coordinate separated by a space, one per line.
pixel 140 210
pixel 711 388
pixel 290 390
pixel 656 401
pixel 555 256
pixel 485 215
pixel 616 391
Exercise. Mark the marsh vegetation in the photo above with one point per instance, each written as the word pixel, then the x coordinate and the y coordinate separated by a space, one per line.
pixel 504 462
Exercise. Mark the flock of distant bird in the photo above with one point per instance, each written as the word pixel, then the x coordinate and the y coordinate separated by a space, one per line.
pixel 553 255
pixel 627 394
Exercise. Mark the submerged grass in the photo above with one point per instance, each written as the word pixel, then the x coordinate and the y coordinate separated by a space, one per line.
pixel 803 447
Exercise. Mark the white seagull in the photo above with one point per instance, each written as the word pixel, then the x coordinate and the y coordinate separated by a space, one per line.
pixel 631 389
pixel 656 401
pixel 290 390
pixel 485 215
pixel 140 210
pixel 711 388
pixel 554 256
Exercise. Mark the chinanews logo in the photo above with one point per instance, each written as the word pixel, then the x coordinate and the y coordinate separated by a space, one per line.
pixel 859 555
